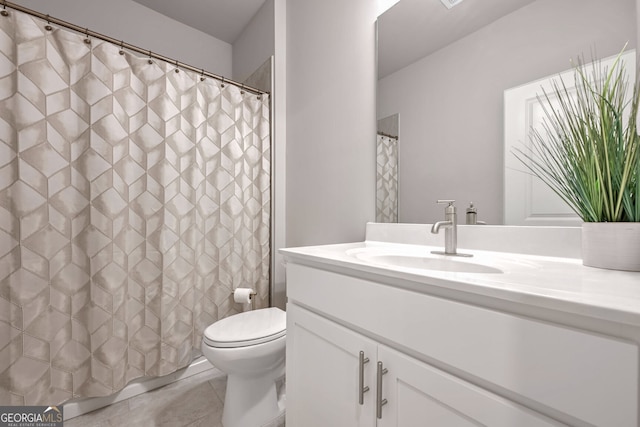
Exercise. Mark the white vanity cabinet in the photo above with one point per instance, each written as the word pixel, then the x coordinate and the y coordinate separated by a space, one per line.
pixel 324 389
pixel 446 363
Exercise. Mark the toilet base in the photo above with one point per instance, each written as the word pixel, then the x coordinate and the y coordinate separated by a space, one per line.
pixel 250 402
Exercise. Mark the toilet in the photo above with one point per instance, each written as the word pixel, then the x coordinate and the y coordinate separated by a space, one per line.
pixel 250 348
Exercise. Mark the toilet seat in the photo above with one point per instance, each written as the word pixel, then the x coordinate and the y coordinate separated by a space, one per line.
pixel 248 328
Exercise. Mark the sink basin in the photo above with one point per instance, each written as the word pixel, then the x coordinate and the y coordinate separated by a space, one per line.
pixel 422 261
pixel 428 263
pixel 431 263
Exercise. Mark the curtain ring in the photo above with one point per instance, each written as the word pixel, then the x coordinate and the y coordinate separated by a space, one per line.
pixel 242 89
pixel 202 78
pixel 150 61
pixel 48 27
pixel 121 52
pixel 177 67
pixel 222 84
pixel 4 9
pixel 87 40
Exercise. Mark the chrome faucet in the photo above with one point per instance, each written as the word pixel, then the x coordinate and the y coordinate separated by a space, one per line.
pixel 450 225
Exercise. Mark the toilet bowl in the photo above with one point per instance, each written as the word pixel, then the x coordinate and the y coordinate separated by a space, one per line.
pixel 250 348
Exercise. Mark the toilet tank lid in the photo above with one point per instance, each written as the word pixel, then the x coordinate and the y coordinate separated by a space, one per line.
pixel 247 326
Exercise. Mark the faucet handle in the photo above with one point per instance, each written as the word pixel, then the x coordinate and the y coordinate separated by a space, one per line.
pixel 450 209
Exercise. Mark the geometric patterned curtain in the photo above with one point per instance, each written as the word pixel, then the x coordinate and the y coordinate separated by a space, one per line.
pixel 387 179
pixel 133 200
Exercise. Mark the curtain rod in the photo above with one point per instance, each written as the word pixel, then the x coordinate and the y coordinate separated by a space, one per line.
pixel 123 45
pixel 388 135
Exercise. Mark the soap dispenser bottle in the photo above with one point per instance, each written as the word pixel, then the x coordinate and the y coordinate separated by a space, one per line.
pixel 472 215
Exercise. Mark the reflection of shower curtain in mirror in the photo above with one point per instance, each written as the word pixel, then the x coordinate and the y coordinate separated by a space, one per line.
pixel 133 200
pixel 387 179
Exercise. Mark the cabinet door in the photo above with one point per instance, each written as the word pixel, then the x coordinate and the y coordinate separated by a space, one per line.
pixel 419 395
pixel 323 365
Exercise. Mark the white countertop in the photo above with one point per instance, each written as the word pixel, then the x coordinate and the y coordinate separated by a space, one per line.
pixel 555 283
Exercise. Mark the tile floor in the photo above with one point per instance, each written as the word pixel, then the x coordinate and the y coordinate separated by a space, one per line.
pixel 193 401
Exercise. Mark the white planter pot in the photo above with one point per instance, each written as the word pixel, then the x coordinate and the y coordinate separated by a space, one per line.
pixel 612 245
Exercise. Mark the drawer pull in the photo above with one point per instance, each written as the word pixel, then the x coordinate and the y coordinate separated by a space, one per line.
pixel 361 387
pixel 380 402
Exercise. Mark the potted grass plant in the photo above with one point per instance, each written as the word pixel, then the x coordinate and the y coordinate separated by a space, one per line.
pixel 588 152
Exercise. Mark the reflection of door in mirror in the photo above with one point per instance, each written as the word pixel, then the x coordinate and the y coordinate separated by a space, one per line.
pixel 387 170
pixel 528 201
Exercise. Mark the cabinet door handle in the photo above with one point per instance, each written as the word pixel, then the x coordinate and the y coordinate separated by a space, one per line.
pixel 380 402
pixel 361 387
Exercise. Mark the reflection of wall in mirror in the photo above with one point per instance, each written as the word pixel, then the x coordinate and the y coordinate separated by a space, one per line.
pixel 451 101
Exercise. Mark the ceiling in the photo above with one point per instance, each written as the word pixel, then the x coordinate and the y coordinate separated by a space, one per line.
pixel 408 31
pixel 413 29
pixel 222 19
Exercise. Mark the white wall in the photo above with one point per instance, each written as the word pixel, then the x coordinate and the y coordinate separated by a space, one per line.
pixel 142 27
pixel 451 102
pixel 263 37
pixel 383 5
pixel 255 44
pixel 279 157
pixel 331 122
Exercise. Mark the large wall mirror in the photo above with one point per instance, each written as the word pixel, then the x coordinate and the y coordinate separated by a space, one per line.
pixel 444 73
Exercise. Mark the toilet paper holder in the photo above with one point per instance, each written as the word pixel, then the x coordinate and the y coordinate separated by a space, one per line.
pixel 252 298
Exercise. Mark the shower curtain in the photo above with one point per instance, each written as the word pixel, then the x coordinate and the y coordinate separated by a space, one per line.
pixel 386 179
pixel 134 197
